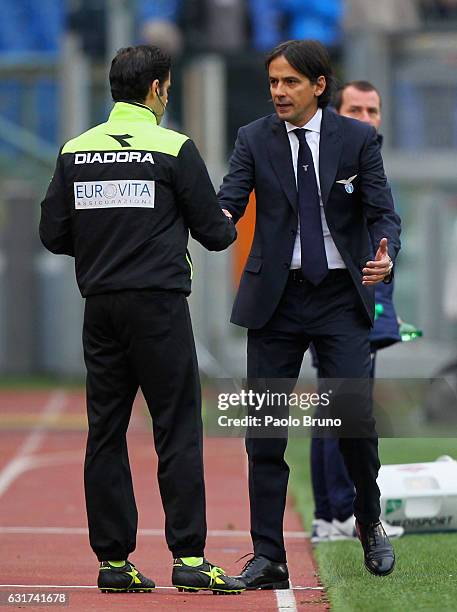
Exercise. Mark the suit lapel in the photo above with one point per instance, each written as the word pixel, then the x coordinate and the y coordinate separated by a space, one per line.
pixel 331 144
pixel 330 147
pixel 281 160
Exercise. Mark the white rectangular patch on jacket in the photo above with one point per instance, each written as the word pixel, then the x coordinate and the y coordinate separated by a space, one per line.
pixel 114 194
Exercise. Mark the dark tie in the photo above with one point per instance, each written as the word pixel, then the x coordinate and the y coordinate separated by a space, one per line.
pixel 313 258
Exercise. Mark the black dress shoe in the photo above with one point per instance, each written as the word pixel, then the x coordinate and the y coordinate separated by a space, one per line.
pixel 261 573
pixel 378 551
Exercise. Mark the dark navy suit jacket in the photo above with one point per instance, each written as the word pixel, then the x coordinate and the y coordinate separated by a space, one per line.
pixel 262 160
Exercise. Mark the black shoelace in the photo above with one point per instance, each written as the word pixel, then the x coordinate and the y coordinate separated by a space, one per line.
pixel 376 535
pixel 250 562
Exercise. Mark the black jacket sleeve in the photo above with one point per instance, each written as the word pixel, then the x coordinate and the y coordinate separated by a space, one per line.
pixel 55 223
pixel 382 220
pixel 198 202
pixel 239 182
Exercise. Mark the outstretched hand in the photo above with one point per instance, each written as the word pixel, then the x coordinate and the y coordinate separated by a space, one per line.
pixel 376 271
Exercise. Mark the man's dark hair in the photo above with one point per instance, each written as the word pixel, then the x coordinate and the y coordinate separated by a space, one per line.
pixel 310 58
pixel 360 85
pixel 134 69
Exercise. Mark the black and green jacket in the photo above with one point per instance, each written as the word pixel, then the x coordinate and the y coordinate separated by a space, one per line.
pixel 122 201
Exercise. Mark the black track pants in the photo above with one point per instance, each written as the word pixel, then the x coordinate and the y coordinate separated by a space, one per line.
pixel 142 339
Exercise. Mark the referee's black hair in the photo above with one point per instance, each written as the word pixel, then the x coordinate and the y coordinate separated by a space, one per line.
pixel 310 58
pixel 133 69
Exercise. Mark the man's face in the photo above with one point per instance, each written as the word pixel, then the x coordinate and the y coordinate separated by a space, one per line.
pixel 362 105
pixel 294 96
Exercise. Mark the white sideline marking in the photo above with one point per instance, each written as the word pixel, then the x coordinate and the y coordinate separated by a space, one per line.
pixel 58 458
pixel 213 533
pixel 91 586
pixel 285 600
pixel 21 460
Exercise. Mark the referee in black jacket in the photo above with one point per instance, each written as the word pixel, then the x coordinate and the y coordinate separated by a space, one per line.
pixel 123 198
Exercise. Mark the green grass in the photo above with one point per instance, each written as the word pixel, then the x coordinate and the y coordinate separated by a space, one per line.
pixel 425 578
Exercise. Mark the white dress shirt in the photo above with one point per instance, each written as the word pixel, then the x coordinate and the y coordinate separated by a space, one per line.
pixel 313 136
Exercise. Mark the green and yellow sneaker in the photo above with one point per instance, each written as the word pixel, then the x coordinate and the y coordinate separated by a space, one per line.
pixel 192 574
pixel 116 578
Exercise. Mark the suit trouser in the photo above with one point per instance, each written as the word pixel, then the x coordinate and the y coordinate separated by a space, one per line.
pixel 331 316
pixel 142 339
pixel 333 489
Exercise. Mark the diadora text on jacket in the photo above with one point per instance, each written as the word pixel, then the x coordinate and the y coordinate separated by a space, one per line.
pixel 123 198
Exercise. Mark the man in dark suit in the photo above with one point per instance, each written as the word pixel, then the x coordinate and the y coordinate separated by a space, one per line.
pixel 333 489
pixel 322 201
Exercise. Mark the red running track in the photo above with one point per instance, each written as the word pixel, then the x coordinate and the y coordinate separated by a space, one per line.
pixel 43 529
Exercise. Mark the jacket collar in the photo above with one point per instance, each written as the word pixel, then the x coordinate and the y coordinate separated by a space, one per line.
pixel 330 148
pixel 132 111
pixel 281 160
